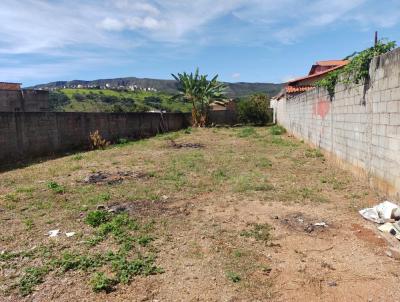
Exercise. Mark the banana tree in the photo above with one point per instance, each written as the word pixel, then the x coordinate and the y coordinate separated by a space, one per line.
pixel 200 92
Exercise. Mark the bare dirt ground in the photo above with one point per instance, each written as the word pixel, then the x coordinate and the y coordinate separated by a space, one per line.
pixel 233 220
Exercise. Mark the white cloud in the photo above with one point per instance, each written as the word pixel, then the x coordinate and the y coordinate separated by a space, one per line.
pixel 236 75
pixel 29 26
pixel 112 24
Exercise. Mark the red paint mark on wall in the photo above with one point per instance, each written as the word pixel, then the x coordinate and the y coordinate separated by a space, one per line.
pixel 322 108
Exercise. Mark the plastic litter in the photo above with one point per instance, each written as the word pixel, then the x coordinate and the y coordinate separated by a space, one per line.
pixel 53 233
pixel 386 228
pixel 70 234
pixel 321 224
pixel 381 212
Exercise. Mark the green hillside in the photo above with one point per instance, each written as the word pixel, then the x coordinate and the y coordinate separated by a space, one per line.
pixel 102 100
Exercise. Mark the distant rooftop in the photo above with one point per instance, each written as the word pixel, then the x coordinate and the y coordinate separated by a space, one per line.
pixel 10 86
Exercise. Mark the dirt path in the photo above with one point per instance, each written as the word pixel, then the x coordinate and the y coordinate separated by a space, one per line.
pixel 235 221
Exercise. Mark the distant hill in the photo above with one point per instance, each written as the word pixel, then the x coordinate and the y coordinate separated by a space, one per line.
pixel 234 90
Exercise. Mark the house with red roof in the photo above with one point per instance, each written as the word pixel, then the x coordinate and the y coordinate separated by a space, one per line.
pixel 299 85
pixel 317 72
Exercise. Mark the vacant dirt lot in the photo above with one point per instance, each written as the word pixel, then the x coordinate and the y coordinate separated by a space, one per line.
pixel 229 215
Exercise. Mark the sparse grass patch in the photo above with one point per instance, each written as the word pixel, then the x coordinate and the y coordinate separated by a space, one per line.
pixel 247 132
pixel 77 157
pixel 251 182
pixel 102 197
pixel 277 130
pixel 337 184
pixel 28 222
pixel 260 232
pixel 279 141
pixel 55 187
pixel 220 174
pixel 32 277
pixel 234 277
pixel 314 153
pixel 263 163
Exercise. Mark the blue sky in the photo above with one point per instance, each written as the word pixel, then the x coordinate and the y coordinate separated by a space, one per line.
pixel 241 40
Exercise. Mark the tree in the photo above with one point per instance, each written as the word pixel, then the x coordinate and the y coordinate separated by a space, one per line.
pixel 255 110
pixel 200 92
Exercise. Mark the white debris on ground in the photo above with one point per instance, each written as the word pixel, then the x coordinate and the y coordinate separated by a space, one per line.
pixel 387 214
pixel 53 233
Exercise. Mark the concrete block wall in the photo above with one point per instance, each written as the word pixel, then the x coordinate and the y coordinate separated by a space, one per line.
pixel 25 100
pixel 26 135
pixel 360 126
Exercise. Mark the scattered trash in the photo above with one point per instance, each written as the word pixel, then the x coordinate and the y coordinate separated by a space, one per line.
pixel 386 228
pixel 386 214
pixel 53 233
pixel 70 234
pixel 301 222
pixel 381 212
pixel 187 145
pixel 112 178
pixel 332 283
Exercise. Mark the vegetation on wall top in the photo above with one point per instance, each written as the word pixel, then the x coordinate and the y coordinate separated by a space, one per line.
pixel 358 69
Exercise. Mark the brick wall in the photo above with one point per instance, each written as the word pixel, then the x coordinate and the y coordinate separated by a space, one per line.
pixel 359 127
pixel 31 134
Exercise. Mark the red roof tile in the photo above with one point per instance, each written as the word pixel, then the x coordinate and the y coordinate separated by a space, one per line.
pixel 315 75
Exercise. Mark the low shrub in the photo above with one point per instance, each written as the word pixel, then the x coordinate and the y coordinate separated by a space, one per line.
pixel 97 141
pixel 255 110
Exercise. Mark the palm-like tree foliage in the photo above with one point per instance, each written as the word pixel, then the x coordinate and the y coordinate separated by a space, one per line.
pixel 200 92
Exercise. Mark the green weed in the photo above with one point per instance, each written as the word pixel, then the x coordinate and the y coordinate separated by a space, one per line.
pixel 28 222
pixel 32 277
pixel 234 277
pixel 100 282
pixel 55 187
pixel 73 261
pixel 277 130
pixel 96 218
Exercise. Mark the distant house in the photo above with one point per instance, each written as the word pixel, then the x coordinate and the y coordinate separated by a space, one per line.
pixel 15 99
pixel 317 72
pixel 223 105
pixel 294 87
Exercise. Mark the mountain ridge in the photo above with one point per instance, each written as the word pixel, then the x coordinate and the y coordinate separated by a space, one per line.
pixel 235 90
